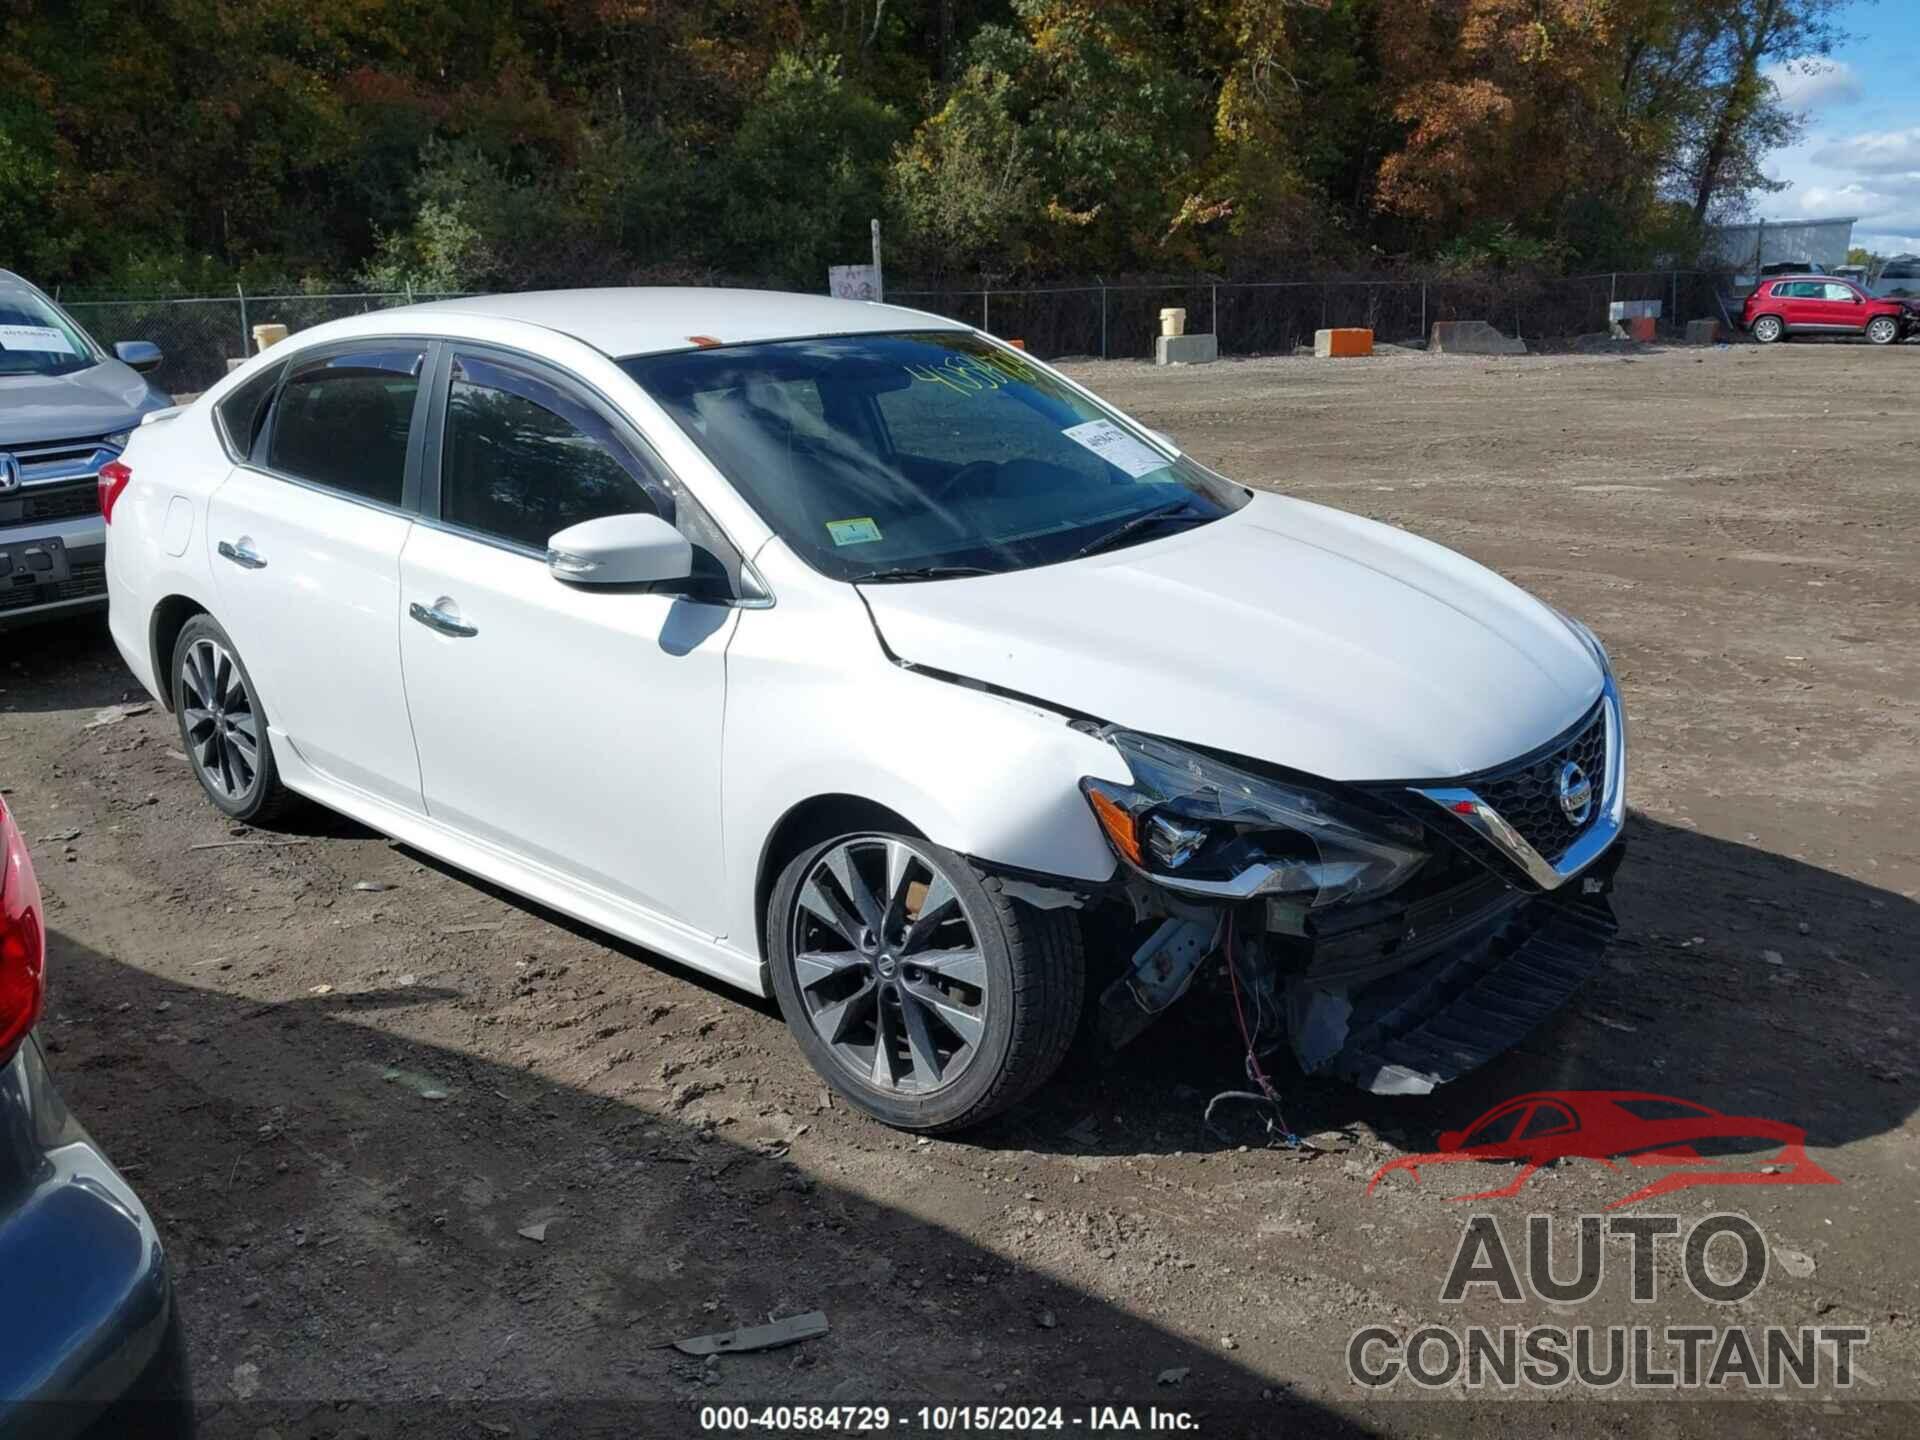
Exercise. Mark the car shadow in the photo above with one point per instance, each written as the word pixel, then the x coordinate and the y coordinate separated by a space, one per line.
pixel 502 1253
pixel 348 1214
pixel 64 665
pixel 1742 979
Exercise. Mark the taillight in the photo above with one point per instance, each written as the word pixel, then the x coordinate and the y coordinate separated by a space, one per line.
pixel 114 476
pixel 23 942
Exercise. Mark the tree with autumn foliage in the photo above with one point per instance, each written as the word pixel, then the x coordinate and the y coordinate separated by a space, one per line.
pixel 463 143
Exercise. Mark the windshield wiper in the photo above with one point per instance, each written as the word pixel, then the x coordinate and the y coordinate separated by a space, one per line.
pixel 919 572
pixel 1119 533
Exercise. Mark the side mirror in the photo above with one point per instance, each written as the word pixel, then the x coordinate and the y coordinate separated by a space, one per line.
pixel 620 550
pixel 142 355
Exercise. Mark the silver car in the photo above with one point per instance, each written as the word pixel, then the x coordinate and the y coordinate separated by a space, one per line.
pixel 66 408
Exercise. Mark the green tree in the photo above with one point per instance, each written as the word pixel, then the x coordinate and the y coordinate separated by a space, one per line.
pixel 805 172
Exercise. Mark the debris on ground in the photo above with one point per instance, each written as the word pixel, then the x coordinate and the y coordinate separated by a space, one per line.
pixel 1174 1374
pixel 788 1331
pixel 1796 1263
pixel 114 714
pixel 59 837
pixel 372 887
pixel 536 1232
pixel 248 844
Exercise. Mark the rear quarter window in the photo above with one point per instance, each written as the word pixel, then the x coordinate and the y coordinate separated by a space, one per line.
pixel 242 414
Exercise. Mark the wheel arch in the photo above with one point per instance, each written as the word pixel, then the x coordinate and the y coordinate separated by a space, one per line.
pixel 808 823
pixel 169 618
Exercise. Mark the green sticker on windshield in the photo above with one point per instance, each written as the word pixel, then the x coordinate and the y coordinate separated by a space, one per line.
pixel 853 532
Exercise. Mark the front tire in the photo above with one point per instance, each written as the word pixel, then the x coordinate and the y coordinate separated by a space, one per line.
pixel 915 986
pixel 1883 330
pixel 223 726
pixel 1768 329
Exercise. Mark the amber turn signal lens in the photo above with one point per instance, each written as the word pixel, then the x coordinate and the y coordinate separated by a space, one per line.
pixel 1117 822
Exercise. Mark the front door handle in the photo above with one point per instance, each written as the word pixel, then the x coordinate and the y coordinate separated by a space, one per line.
pixel 442 617
pixel 241 554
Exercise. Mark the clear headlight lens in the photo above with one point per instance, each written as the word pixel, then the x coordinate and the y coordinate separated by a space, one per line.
pixel 118 440
pixel 1198 825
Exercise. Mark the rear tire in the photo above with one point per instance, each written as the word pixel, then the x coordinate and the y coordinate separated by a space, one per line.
pixel 1883 330
pixel 223 725
pixel 1768 329
pixel 957 1004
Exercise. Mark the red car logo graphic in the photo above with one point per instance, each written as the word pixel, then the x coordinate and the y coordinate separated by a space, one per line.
pixel 1624 1127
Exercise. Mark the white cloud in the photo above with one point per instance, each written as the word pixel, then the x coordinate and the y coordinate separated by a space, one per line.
pixel 1875 152
pixel 1873 174
pixel 1811 83
pixel 1887 244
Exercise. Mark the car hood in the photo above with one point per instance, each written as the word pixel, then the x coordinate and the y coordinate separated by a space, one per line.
pixel 1286 631
pixel 95 401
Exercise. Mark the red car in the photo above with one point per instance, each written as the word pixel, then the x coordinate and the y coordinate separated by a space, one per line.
pixel 1624 1127
pixel 1822 305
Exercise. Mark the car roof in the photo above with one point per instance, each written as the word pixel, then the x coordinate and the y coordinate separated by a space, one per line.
pixel 17 283
pixel 640 320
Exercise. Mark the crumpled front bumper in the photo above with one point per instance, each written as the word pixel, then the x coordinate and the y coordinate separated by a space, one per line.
pixel 1472 985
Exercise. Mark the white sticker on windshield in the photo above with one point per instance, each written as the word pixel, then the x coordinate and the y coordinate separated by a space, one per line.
pixel 1117 448
pixel 34 337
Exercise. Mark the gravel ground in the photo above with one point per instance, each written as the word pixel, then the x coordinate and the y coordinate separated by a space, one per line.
pixel 349 1082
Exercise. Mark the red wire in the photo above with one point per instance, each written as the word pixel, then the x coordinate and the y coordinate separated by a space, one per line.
pixel 1253 1060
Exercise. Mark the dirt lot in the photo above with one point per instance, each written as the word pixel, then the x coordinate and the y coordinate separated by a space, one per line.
pixel 345 1105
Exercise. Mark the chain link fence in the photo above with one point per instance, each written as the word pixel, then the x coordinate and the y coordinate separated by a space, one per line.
pixel 1265 317
pixel 199 335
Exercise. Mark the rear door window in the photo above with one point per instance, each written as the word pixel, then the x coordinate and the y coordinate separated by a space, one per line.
pixel 343 422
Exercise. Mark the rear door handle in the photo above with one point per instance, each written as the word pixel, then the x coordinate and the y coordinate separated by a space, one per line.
pixel 241 554
pixel 437 617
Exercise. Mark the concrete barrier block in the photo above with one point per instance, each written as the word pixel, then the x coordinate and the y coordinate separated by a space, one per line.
pixel 1185 349
pixel 1338 344
pixel 1703 332
pixel 1473 337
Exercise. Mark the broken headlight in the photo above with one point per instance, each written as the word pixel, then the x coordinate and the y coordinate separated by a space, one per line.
pixel 1198 825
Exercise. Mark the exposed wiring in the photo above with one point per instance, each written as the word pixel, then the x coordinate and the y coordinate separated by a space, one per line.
pixel 1268 1096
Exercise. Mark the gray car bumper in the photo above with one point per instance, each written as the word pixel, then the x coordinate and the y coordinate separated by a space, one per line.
pixel 89 1341
pixel 27 595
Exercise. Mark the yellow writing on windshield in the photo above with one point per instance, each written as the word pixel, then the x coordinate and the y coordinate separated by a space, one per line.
pixel 975 374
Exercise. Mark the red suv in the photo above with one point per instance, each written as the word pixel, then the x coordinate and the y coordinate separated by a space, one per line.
pixel 1822 305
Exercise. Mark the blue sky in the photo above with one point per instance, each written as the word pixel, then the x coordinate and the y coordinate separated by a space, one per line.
pixel 1862 151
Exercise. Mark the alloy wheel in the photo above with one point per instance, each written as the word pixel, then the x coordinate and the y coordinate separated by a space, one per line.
pixel 888 965
pixel 1881 331
pixel 1766 329
pixel 221 724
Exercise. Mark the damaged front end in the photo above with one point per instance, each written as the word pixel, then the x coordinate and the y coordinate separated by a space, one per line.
pixel 1398 935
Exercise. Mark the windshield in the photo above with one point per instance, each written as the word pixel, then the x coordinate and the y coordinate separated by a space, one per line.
pixel 916 457
pixel 36 339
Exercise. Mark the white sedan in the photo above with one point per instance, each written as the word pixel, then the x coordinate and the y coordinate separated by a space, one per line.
pixel 850 655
